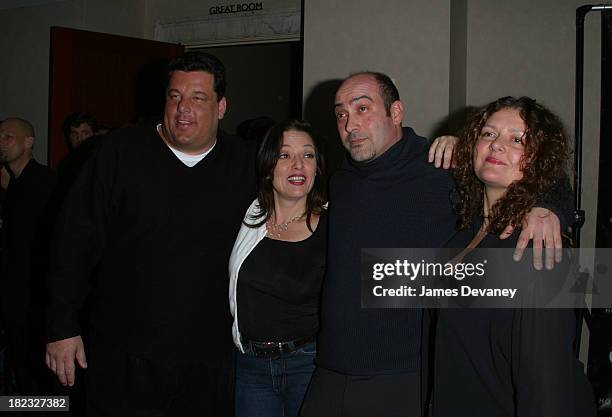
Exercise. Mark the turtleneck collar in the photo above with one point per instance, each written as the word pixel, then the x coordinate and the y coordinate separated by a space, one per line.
pixel 392 154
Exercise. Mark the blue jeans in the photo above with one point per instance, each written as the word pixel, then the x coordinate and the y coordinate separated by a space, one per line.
pixel 273 387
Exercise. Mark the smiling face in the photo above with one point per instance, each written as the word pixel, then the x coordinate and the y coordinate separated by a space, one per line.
pixel 192 112
pixel 499 150
pixel 365 127
pixel 295 170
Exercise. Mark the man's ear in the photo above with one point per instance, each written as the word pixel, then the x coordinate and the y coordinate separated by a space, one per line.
pixel 29 142
pixel 222 107
pixel 397 112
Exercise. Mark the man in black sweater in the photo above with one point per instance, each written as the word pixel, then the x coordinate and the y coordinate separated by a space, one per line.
pixel 23 250
pixel 144 237
pixel 384 195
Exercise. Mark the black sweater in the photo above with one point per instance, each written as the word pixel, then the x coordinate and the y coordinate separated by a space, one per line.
pixel 147 240
pixel 26 215
pixel 396 201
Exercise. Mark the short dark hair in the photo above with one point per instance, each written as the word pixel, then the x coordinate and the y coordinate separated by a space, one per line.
pixel 76 119
pixel 201 61
pixel 267 157
pixel 387 89
pixel 544 164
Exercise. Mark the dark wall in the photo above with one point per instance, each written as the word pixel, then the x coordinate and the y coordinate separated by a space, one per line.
pixel 261 81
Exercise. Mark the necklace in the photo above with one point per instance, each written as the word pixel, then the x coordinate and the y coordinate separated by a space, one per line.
pixel 275 230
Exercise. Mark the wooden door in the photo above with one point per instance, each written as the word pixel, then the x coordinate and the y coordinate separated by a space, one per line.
pixel 120 80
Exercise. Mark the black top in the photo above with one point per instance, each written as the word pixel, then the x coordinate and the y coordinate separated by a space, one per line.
pixel 27 217
pixel 398 200
pixel 279 288
pixel 146 240
pixel 507 362
pixel 69 167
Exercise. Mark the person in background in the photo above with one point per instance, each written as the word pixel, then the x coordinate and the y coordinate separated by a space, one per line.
pixel 276 270
pixel 23 258
pixel 78 127
pixel 83 134
pixel 255 129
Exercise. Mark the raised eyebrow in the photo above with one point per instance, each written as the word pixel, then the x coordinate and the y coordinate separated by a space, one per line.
pixel 364 96
pixel 353 100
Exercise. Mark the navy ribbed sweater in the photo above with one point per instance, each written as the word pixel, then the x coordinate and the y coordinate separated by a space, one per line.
pixel 396 201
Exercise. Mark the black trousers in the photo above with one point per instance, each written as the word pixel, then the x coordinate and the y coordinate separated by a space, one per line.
pixel 332 394
pixel 26 353
pixel 123 384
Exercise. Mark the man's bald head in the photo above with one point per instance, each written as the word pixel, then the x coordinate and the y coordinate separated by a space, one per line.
pixel 23 125
pixel 16 142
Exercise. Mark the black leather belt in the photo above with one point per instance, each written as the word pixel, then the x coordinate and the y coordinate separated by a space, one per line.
pixel 276 349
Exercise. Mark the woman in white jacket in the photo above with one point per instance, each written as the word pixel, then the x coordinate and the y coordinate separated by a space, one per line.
pixel 276 269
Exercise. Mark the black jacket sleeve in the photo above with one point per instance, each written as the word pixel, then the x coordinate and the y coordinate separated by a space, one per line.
pixel 560 200
pixel 548 379
pixel 78 242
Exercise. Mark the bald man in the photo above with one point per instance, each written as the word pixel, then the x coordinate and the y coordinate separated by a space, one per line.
pixel 22 258
pixel 16 143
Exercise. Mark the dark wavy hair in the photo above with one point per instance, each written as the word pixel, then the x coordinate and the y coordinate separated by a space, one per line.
pixel 77 119
pixel 544 164
pixel 267 158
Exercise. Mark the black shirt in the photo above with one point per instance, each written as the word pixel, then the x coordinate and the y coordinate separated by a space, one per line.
pixel 279 287
pixel 27 217
pixel 508 362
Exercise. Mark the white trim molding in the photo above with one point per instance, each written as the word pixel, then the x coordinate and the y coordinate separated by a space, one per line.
pixel 228 29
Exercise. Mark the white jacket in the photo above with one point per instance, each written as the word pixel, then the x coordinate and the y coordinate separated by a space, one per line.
pixel 248 238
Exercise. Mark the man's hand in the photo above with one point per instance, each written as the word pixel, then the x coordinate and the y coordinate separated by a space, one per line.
pixel 541 225
pixel 441 151
pixel 60 358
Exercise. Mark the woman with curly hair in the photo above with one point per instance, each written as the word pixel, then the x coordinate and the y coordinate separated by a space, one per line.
pixel 510 362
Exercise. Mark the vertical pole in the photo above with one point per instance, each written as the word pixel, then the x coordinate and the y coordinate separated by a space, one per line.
pixel 579 214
